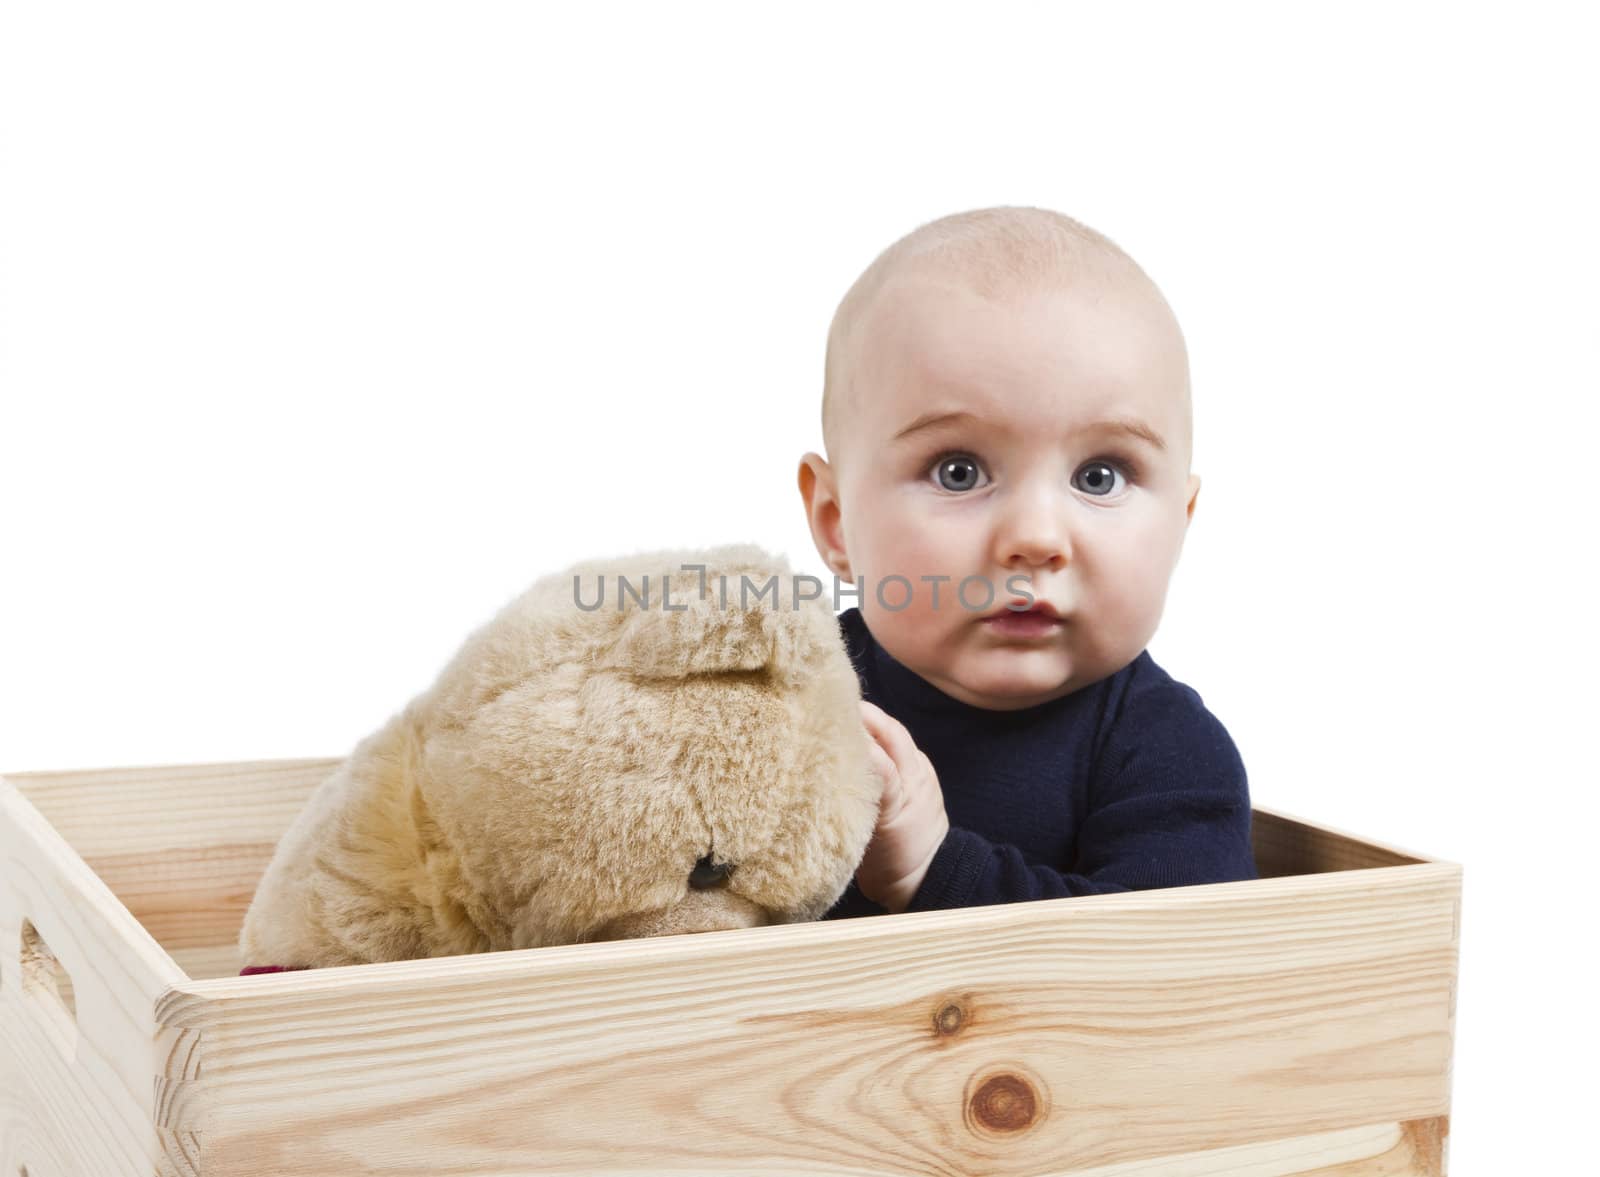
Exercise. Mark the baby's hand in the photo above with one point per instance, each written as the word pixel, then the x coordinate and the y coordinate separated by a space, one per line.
pixel 911 819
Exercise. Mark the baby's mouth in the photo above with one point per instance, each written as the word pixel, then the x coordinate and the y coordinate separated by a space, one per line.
pixel 1020 607
pixel 1040 621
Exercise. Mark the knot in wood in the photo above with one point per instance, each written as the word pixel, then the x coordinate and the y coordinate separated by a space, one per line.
pixel 949 1019
pixel 1004 1103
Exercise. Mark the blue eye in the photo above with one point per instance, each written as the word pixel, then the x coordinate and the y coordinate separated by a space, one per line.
pixel 957 472
pixel 1102 478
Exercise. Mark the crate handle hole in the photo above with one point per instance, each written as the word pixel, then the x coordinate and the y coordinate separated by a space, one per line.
pixel 47 983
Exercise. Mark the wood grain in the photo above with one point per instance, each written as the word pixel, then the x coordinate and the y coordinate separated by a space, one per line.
pixel 1030 1038
pixel 78 1086
pixel 1297 1024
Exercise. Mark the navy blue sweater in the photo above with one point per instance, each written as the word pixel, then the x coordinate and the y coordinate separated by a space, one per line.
pixel 1125 785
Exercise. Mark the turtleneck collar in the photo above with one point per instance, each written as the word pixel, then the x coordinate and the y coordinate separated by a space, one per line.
pixel 904 690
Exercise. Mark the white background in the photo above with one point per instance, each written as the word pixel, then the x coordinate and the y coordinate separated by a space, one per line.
pixel 325 328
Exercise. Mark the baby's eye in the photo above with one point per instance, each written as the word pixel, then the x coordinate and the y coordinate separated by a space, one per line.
pixel 957 472
pixel 1098 478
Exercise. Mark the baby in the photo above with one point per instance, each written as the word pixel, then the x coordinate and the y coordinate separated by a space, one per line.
pixel 1007 422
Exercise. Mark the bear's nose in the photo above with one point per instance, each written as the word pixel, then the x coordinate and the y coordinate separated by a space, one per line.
pixel 707 874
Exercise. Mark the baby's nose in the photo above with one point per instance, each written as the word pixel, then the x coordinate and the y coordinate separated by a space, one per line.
pixel 1034 528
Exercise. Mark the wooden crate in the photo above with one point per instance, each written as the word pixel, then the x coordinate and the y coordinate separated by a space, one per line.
pixel 1297 1024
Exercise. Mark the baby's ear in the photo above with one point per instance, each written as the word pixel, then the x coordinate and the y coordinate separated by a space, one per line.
pixel 811 466
pixel 815 479
pixel 821 497
pixel 1194 494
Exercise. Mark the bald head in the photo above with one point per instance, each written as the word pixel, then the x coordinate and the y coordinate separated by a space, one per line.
pixel 995 253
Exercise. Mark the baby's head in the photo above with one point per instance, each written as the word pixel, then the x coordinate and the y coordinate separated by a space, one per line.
pixel 1006 403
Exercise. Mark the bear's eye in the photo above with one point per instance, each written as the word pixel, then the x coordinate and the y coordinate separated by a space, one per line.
pixel 707 874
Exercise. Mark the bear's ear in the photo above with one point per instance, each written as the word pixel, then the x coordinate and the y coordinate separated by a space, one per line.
pixel 700 639
pixel 756 626
pixel 790 645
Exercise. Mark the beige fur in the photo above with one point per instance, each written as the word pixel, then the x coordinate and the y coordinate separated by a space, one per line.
pixel 561 778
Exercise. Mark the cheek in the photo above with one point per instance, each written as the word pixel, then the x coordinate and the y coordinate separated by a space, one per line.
pixel 893 543
pixel 1131 570
pixel 894 597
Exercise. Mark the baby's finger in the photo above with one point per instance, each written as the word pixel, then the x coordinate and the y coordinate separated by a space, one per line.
pixel 872 719
pixel 891 797
pixel 890 733
pixel 876 718
pixel 881 764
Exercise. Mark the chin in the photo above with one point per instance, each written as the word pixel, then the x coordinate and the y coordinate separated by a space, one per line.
pixel 1017 691
pixel 1022 670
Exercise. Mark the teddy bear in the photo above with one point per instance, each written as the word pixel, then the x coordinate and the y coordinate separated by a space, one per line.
pixel 654 744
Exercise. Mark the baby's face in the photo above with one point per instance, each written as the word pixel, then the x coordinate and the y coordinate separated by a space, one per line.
pixel 1030 478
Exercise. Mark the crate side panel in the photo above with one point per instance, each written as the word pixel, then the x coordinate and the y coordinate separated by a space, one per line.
pixel 111 813
pixel 77 1010
pixel 1047 1037
pixel 189 881
pixel 209 963
pixel 182 846
pixel 1286 845
pixel 192 898
pixel 61 1115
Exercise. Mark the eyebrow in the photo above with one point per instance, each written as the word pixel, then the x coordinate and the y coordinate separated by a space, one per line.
pixel 1131 426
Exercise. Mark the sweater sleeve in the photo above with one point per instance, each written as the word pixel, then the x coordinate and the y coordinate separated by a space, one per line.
pixel 1168 806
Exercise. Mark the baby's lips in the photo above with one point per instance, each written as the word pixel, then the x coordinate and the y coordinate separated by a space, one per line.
pixel 1023 605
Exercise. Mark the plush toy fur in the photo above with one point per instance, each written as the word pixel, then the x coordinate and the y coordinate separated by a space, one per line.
pixel 567 771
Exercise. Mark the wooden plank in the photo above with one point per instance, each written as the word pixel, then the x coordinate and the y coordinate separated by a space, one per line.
pixel 120 815
pixel 183 846
pixel 125 813
pixel 1099 1003
pixel 1049 1037
pixel 1288 845
pixel 206 963
pixel 78 1075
